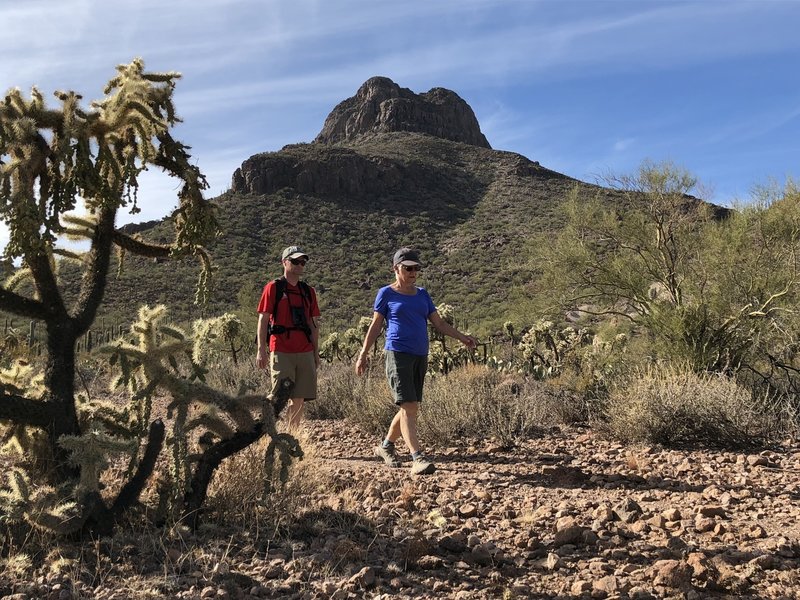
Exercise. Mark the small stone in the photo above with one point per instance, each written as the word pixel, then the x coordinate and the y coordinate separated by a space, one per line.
pixel 765 562
pixel 603 514
pixel 703 524
pixel 608 584
pixel 628 510
pixel 581 587
pixel 757 532
pixel 671 573
pixel 481 555
pixel 552 562
pixel 365 578
pixel 657 522
pixel 455 542
pixel 712 511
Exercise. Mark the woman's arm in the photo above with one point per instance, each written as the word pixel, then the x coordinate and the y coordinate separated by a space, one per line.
pixel 444 327
pixel 372 334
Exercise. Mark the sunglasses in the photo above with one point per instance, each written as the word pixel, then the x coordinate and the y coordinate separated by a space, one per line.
pixel 298 261
pixel 411 267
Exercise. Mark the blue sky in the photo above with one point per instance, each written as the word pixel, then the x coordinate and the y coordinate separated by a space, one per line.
pixel 584 87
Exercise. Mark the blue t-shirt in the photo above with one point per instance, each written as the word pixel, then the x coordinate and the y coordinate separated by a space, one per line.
pixel 406 319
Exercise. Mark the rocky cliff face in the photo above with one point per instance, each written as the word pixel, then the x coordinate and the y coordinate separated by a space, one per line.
pixel 336 171
pixel 382 106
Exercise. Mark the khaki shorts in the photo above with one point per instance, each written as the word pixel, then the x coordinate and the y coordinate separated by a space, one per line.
pixel 300 368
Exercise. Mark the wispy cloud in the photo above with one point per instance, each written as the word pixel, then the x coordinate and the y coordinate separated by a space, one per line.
pixel 565 83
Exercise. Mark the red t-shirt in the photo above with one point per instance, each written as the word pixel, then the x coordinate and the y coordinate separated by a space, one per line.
pixel 294 340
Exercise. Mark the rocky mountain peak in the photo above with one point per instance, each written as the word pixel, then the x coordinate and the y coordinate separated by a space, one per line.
pixel 382 106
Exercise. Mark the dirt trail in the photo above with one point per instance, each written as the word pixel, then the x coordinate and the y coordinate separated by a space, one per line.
pixel 567 515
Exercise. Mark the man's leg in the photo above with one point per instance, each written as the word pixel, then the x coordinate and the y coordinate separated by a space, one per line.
pixel 305 371
pixel 295 413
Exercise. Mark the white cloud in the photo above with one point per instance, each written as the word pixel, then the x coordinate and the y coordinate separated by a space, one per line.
pixel 262 73
pixel 623 144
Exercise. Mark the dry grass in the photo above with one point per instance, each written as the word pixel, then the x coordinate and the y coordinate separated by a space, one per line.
pixel 678 408
pixel 236 496
pixel 471 401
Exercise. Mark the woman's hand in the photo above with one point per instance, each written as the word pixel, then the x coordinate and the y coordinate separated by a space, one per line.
pixel 361 363
pixel 469 341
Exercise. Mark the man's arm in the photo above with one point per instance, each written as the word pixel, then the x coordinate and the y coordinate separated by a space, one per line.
pixel 263 341
pixel 372 334
pixel 315 338
pixel 444 327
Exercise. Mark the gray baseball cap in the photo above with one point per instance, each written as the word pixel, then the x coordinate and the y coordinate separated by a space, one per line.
pixel 293 252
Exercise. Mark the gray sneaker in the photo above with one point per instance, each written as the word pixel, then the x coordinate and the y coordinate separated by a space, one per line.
pixel 388 455
pixel 422 466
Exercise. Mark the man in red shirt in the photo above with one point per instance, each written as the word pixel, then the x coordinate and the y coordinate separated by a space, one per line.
pixel 291 332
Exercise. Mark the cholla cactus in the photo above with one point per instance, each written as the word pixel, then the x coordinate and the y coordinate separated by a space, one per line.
pixel 18 378
pixel 158 360
pixel 49 158
pixel 331 347
pixel 216 335
pixel 43 507
pixel 546 347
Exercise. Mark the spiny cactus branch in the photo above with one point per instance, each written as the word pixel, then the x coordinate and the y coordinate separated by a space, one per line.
pixel 131 244
pixel 216 453
pixel 24 411
pixel 129 494
pixel 19 305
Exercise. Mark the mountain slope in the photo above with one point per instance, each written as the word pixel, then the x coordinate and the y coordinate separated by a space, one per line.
pixel 390 168
pixel 468 209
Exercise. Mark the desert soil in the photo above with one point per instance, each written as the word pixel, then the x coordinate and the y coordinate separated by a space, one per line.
pixel 566 515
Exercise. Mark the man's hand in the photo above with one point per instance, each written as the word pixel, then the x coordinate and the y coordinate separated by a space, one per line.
pixel 262 361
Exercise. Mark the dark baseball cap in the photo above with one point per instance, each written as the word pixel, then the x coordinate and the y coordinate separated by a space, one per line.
pixel 406 256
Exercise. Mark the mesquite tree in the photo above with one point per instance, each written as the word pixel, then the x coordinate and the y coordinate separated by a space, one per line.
pixel 49 159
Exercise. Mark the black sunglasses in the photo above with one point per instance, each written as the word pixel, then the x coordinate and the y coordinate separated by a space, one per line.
pixel 298 261
pixel 411 267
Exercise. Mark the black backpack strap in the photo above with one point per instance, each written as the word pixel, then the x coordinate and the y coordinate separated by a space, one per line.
pixel 280 290
pixel 305 290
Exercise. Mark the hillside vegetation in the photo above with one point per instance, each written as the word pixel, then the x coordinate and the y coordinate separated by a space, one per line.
pixel 471 211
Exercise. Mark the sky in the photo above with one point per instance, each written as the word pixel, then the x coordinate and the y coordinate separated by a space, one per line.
pixel 585 87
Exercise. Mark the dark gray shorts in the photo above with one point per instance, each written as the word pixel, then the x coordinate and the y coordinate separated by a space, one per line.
pixel 406 375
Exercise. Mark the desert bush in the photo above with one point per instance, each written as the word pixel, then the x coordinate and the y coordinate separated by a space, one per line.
pixel 472 401
pixel 676 407
pixel 365 401
pixel 236 495
pixel 476 401
pixel 661 271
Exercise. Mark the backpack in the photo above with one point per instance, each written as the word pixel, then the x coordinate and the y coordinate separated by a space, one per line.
pixel 299 317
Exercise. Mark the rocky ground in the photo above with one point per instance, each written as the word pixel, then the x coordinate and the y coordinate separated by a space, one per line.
pixel 568 515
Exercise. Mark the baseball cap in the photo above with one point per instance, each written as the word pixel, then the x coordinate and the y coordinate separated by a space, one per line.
pixel 293 252
pixel 406 256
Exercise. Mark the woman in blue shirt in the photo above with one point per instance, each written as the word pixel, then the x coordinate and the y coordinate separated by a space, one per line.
pixel 406 310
